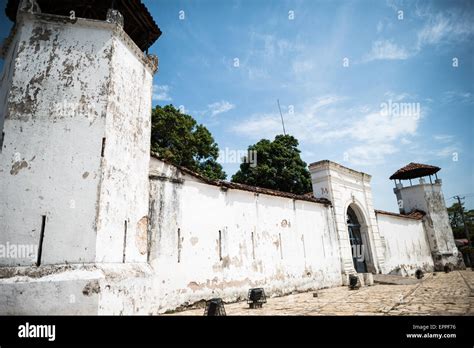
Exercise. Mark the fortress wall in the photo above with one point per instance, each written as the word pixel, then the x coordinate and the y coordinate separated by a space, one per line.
pixel 210 241
pixel 406 245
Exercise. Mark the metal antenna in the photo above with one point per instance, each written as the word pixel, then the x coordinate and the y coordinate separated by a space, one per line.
pixel 282 122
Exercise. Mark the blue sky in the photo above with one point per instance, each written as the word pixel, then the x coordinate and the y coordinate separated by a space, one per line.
pixel 334 66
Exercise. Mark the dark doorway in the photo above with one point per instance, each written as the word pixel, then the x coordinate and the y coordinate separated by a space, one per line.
pixel 357 246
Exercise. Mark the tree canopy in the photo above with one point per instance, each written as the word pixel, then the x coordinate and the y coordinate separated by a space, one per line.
pixel 178 138
pixel 457 225
pixel 278 166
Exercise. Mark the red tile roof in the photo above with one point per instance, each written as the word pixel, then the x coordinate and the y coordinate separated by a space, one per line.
pixel 243 187
pixel 138 22
pixel 416 214
pixel 414 170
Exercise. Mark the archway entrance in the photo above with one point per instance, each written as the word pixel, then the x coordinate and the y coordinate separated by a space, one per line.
pixel 358 246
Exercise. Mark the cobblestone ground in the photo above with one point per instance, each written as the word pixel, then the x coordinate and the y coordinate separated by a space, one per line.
pixel 437 294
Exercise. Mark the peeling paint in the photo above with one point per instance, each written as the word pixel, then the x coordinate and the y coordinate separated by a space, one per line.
pixel 17 166
pixel 141 236
pixel 91 288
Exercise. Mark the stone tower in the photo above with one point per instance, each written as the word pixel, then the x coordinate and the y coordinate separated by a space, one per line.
pixel 427 196
pixel 75 123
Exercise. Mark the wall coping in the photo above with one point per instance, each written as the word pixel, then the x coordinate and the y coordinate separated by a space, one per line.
pixel 149 61
pixel 327 164
pixel 415 215
pixel 241 187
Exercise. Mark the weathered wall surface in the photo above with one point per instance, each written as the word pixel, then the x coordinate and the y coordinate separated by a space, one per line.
pixel 123 204
pixel 51 291
pixel 77 125
pixel 54 124
pixel 406 245
pixel 429 198
pixel 208 240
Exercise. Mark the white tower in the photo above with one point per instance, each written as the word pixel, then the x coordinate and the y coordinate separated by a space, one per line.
pixel 428 198
pixel 75 113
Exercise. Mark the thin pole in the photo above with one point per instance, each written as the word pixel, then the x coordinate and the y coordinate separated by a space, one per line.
pixel 281 115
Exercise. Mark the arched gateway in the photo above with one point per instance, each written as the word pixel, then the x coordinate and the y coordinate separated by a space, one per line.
pixel 356 224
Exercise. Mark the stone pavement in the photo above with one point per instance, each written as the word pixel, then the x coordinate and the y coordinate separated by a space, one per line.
pixel 437 294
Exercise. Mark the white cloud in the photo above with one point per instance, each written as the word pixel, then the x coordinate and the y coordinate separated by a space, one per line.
pixel 368 134
pixel 368 154
pixel 302 66
pixel 160 93
pixel 434 31
pixel 255 73
pixel 398 96
pixel 264 51
pixel 220 107
pixel 302 121
pixel 443 138
pixel 447 151
pixel 260 125
pixel 445 146
pixel 444 27
pixel 451 25
pixel 457 97
pixel 385 50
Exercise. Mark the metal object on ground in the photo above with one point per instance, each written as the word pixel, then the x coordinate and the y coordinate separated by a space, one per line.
pixel 256 298
pixel 353 282
pixel 215 307
pixel 448 267
pixel 419 274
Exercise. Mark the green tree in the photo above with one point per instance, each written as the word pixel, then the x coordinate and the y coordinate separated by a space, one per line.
pixel 178 138
pixel 457 225
pixel 278 166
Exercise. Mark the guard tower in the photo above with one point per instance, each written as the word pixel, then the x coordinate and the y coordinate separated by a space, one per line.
pixel 75 117
pixel 426 196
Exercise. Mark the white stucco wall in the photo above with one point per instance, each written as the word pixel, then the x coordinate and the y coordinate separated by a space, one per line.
pixel 54 123
pixel 406 245
pixel 124 182
pixel 88 81
pixel 279 243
